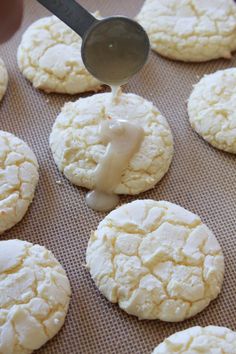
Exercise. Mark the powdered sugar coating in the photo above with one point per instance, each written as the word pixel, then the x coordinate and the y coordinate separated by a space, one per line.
pixel 156 260
pixel 190 30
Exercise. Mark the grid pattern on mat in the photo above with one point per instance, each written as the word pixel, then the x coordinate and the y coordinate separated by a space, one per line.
pixel 201 179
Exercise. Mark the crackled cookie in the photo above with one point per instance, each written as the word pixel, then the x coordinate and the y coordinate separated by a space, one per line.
pixel 3 79
pixel 35 295
pixel 78 147
pixel 156 260
pixel 212 109
pixel 208 340
pixel 50 57
pixel 190 30
pixel 18 179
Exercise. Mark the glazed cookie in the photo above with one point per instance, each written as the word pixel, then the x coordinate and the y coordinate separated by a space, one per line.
pixel 35 295
pixel 3 79
pixel 208 340
pixel 212 109
pixel 18 179
pixel 78 147
pixel 190 30
pixel 156 260
pixel 50 57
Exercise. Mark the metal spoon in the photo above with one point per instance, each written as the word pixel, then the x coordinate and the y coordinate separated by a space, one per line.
pixel 113 49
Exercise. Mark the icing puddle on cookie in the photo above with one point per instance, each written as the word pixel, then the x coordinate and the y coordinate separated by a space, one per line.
pixel 124 140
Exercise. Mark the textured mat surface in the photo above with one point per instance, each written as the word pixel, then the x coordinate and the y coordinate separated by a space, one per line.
pixel 201 179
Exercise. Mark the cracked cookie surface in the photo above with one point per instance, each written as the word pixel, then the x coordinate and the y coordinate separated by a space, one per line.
pixel 18 179
pixel 50 57
pixel 156 260
pixel 3 79
pixel 34 296
pixel 208 340
pixel 212 109
pixel 190 30
pixel 78 147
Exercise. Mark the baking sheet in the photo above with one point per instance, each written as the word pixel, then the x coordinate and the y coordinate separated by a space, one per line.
pixel 201 179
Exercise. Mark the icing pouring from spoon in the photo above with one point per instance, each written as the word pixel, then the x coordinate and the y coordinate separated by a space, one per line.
pixel 113 50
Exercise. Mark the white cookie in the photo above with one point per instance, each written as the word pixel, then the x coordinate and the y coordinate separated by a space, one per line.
pixel 3 79
pixel 34 297
pixel 156 260
pixel 18 179
pixel 50 57
pixel 77 146
pixel 212 109
pixel 208 340
pixel 190 30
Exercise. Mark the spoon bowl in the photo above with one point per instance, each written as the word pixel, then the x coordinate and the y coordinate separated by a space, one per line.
pixel 115 49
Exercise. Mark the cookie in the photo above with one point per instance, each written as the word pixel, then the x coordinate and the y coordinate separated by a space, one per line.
pixel 156 260
pixel 35 295
pixel 190 30
pixel 50 57
pixel 3 79
pixel 18 179
pixel 208 340
pixel 212 109
pixel 77 146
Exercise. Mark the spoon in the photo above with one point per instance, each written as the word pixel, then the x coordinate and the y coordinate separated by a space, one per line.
pixel 113 49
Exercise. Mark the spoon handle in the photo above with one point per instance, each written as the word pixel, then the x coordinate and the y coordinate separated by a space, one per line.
pixel 70 12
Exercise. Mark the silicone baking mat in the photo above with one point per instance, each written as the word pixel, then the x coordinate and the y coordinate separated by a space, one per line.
pixel 201 179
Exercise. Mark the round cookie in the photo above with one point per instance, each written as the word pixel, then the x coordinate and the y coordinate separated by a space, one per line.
pixel 77 146
pixel 18 179
pixel 208 340
pixel 35 295
pixel 3 79
pixel 190 30
pixel 50 57
pixel 156 260
pixel 212 109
